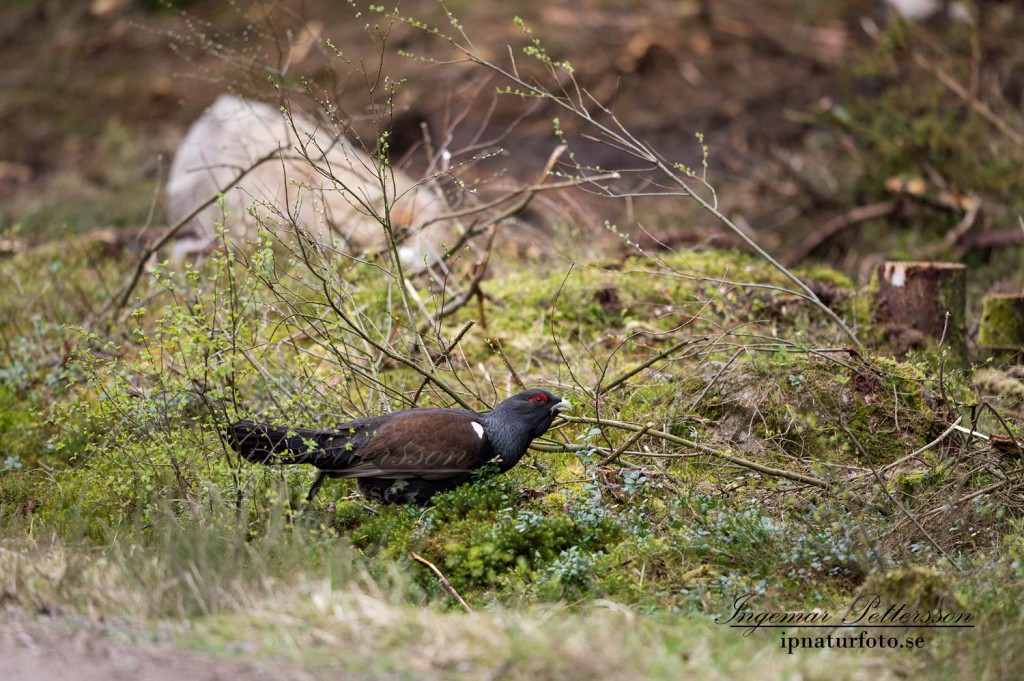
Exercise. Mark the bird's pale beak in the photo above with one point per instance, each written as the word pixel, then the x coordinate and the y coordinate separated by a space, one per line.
pixel 564 405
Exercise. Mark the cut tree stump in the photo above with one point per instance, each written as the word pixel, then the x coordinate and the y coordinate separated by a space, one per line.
pixel 913 301
pixel 1001 332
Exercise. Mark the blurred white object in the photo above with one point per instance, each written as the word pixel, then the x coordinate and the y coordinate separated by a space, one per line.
pixel 333 198
pixel 923 10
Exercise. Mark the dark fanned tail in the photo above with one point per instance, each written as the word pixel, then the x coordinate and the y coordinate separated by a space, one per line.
pixel 263 443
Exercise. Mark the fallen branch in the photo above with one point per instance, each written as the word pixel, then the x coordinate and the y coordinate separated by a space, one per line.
pixel 838 224
pixel 992 240
pixel 1011 438
pixel 444 581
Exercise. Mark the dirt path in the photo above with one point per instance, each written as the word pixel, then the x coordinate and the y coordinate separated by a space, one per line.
pixel 49 648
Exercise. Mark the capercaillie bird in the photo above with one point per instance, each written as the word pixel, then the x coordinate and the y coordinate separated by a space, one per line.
pixel 408 456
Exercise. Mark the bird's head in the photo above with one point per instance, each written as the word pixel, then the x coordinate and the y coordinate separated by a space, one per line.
pixel 534 411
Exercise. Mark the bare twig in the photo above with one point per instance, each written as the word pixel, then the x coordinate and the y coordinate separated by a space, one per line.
pixel 615 134
pixel 888 494
pixel 122 298
pixel 994 487
pixel 653 360
pixel 447 352
pixel 626 445
pixel 922 450
pixel 730 458
pixel 444 580
pixel 496 344
pixel 473 289
pixel 697 400
pixel 1006 427
pixel 981 108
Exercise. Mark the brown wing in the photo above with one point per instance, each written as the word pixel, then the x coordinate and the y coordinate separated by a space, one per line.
pixel 432 444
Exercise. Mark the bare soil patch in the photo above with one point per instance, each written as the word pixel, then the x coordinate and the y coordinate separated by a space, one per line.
pixel 47 647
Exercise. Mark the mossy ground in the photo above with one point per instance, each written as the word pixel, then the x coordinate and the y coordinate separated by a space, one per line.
pixel 119 436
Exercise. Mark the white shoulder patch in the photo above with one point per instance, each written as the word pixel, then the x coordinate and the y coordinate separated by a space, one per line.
pixel 479 430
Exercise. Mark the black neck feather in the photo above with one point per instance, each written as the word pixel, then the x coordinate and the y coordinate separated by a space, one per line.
pixel 509 438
